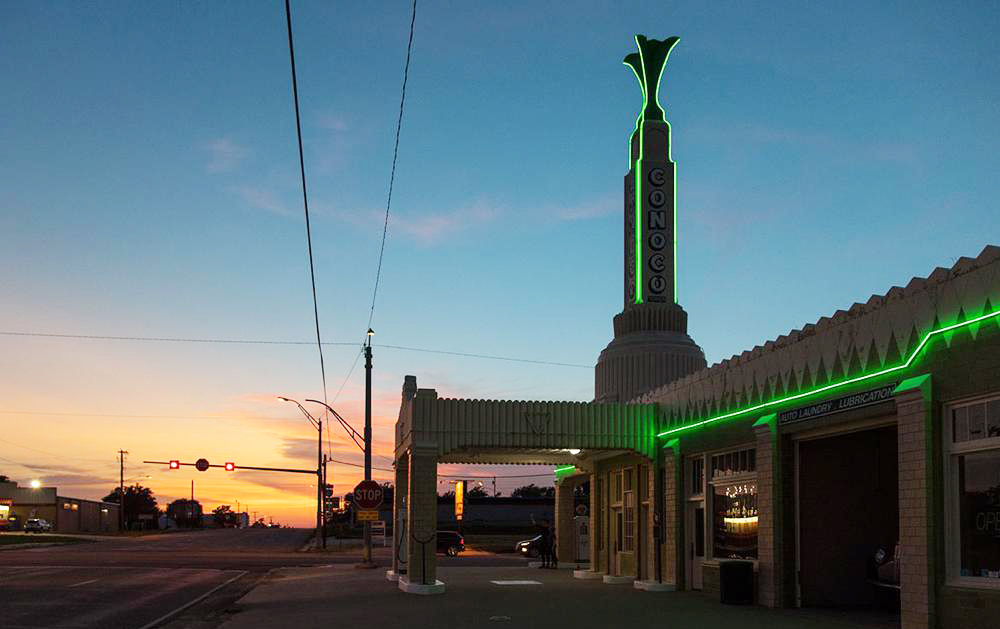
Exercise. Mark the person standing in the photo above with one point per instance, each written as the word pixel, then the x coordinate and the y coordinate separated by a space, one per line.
pixel 544 540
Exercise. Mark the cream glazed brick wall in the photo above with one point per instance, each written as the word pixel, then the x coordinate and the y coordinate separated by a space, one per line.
pixel 916 527
pixel 673 522
pixel 422 516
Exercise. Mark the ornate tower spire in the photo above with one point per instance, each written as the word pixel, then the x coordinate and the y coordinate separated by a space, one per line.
pixel 651 346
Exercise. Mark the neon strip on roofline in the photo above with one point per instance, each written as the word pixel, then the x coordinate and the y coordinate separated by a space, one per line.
pixel 829 387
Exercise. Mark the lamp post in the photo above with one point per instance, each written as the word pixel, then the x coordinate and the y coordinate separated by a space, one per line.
pixel 318 425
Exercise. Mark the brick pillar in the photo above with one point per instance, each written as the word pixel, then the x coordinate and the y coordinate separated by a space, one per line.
pixel 421 516
pixel 915 426
pixel 596 530
pixel 770 564
pixel 563 526
pixel 673 517
pixel 399 503
pixel 650 544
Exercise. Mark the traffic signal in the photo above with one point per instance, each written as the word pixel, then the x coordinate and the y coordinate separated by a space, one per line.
pixel 175 465
pixel 230 466
pixel 328 490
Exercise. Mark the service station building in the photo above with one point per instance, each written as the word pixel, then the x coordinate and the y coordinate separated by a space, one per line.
pixel 854 459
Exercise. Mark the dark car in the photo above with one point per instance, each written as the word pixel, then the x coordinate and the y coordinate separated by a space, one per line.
pixel 450 543
pixel 529 547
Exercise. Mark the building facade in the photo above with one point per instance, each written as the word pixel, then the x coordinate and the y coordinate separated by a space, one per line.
pixel 66 515
pixel 853 463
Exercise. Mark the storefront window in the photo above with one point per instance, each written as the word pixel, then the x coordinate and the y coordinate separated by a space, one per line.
pixel 975 493
pixel 979 514
pixel 629 524
pixel 735 525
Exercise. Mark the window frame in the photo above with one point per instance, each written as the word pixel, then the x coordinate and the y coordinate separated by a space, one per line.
pixel 950 451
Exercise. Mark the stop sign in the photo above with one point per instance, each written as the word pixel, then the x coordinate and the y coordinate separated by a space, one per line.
pixel 201 465
pixel 368 494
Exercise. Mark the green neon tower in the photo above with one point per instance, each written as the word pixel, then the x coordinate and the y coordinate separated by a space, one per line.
pixel 651 345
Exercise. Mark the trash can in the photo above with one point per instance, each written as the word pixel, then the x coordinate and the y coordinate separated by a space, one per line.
pixel 736 582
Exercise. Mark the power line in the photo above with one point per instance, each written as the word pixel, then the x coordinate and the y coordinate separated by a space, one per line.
pixel 165 339
pixel 395 154
pixel 305 196
pixel 277 342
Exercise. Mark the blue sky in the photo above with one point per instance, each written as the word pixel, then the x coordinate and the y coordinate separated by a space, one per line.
pixel 150 187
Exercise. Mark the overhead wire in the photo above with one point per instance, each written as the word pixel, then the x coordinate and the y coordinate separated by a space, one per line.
pixel 278 342
pixel 395 155
pixel 305 195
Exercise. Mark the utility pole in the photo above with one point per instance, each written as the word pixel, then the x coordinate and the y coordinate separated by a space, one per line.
pixel 494 486
pixel 366 557
pixel 192 492
pixel 121 490
pixel 320 480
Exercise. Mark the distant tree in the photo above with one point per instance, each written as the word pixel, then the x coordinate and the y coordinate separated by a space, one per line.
pixel 186 513
pixel 139 500
pixel 450 494
pixel 477 492
pixel 533 491
pixel 224 516
pixel 4 478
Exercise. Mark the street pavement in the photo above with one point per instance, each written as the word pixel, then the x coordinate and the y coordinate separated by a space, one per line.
pixel 128 582
pixel 94 596
pixel 338 595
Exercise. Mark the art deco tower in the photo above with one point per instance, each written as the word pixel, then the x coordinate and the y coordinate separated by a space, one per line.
pixel 651 345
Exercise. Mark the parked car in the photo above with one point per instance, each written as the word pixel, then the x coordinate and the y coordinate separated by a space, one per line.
pixel 450 543
pixel 529 547
pixel 37 525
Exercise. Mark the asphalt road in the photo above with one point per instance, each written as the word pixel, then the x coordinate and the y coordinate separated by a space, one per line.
pixel 129 582
pixel 92 596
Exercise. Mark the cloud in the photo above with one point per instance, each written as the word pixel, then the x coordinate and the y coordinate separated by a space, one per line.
pixel 224 155
pixel 432 228
pixel 332 122
pixel 263 199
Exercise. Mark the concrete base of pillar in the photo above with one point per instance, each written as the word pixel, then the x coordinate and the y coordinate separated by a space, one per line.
pixel 391 575
pixel 654 586
pixel 420 588
pixel 587 574
pixel 613 580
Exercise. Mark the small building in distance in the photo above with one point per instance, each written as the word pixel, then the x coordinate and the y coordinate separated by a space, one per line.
pixel 66 515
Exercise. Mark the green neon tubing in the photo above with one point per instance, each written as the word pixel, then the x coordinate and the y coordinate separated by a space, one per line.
pixel 564 468
pixel 804 394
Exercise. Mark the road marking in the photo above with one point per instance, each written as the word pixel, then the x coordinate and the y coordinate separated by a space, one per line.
pixel 516 582
pixel 165 617
pixel 82 583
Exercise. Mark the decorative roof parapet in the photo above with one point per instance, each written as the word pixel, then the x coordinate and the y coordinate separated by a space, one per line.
pixel 878 333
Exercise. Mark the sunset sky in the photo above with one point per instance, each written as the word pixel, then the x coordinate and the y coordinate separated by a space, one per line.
pixel 149 187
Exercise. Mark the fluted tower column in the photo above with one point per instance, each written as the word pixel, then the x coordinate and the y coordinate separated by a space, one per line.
pixel 651 346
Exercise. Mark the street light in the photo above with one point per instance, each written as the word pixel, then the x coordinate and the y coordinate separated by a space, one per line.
pixel 35 483
pixel 320 477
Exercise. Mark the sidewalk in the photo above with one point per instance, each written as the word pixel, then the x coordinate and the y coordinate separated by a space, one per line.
pixel 547 599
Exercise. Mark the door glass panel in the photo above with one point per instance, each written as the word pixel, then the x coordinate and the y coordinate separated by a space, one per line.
pixel 699 532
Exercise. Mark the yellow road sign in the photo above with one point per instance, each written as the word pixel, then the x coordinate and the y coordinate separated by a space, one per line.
pixel 370 516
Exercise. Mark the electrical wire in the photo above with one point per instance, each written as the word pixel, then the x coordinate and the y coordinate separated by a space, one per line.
pixel 270 342
pixel 395 155
pixel 167 339
pixel 305 196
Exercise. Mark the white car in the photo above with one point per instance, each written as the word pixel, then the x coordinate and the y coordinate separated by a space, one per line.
pixel 37 525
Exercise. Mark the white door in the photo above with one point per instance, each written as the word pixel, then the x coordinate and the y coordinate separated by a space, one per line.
pixel 695 543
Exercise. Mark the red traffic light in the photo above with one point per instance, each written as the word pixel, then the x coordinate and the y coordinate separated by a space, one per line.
pixel 175 465
pixel 230 466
